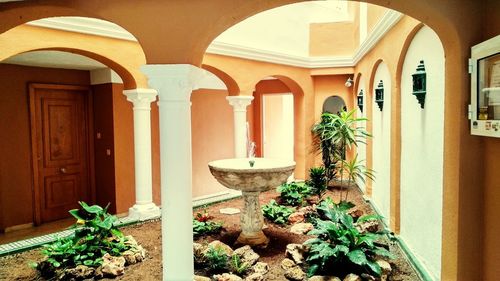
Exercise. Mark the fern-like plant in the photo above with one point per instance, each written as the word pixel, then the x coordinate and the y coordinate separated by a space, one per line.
pixel 318 181
pixel 276 213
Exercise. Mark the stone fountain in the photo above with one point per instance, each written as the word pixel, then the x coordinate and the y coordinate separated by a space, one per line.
pixel 252 176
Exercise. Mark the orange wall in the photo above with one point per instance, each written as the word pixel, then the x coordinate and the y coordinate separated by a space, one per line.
pixel 374 13
pixel 491 156
pixel 15 145
pixel 104 163
pixel 212 137
pixel 334 38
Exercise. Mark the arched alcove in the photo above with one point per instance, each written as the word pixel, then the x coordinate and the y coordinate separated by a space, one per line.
pixel 334 104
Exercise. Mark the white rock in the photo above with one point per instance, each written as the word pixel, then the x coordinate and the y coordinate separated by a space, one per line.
pixel 227 277
pixel 255 277
pixel 229 211
pixel 323 278
pixel 352 277
pixel 385 266
pixel 287 264
pixel 301 228
pixel 201 278
pixel 113 266
pixel 295 252
pixel 247 255
pixel 260 267
pixel 295 273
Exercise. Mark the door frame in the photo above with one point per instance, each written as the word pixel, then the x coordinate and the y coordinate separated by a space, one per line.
pixel 89 122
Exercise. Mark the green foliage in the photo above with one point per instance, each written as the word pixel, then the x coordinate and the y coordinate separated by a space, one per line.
pixel 276 213
pixel 205 227
pixel 238 266
pixel 294 193
pixel 216 259
pixel 333 135
pixel 318 181
pixel 356 171
pixel 340 246
pixel 95 235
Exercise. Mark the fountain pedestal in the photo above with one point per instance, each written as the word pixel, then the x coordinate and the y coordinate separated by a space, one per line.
pixel 252 221
pixel 264 175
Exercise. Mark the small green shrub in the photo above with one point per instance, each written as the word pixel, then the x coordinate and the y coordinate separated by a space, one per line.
pixel 294 193
pixel 205 227
pixel 318 181
pixel 340 246
pixel 277 213
pixel 238 266
pixel 94 236
pixel 216 259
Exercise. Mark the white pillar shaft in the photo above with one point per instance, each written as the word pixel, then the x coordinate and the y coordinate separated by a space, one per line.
pixel 144 207
pixel 175 84
pixel 239 104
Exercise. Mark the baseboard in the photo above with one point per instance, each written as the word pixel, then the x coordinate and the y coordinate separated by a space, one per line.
pixel 18 227
pixel 215 197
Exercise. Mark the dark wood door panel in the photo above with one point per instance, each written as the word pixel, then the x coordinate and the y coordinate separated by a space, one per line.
pixel 60 142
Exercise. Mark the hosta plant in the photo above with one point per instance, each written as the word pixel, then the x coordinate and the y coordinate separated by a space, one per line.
pixel 294 193
pixel 95 235
pixel 339 247
pixel 277 213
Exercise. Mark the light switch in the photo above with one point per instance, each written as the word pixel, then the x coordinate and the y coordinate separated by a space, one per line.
pixel 108 152
pixel 98 135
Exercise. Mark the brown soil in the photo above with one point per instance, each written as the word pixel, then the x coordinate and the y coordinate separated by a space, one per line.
pixel 15 267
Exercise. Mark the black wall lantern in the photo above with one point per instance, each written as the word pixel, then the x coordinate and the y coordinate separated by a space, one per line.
pixel 379 95
pixel 419 84
pixel 360 100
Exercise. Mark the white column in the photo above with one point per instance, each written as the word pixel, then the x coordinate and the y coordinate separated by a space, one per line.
pixel 174 84
pixel 144 207
pixel 239 104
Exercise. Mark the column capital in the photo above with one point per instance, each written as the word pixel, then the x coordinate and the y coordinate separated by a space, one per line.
pixel 239 103
pixel 141 97
pixel 174 82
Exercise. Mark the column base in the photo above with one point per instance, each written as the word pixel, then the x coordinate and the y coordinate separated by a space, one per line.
pixel 258 239
pixel 144 211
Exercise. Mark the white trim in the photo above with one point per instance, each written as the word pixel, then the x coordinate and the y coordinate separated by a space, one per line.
pixel 108 29
pixel 215 197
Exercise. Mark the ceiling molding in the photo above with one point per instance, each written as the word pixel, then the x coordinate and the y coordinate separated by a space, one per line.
pixel 108 29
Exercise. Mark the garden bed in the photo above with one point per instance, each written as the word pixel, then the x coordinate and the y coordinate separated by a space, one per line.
pixel 15 267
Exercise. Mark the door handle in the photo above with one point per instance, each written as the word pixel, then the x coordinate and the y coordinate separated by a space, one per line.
pixel 63 170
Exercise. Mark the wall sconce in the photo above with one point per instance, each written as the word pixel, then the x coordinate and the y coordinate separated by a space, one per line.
pixel 419 84
pixel 348 83
pixel 360 100
pixel 379 95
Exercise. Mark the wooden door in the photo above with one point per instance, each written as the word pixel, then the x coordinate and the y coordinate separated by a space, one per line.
pixel 60 144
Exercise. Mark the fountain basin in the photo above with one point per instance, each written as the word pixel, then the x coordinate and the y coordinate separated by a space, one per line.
pixel 265 174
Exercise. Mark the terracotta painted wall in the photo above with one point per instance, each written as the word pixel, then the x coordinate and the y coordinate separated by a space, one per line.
pixel 491 158
pixel 104 141
pixel 334 38
pixel 212 137
pixel 15 145
pixel 374 13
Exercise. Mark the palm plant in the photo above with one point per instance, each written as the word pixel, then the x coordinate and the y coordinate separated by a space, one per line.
pixel 334 134
pixel 355 172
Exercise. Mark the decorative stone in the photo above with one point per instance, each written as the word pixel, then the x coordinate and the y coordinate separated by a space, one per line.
pixel 295 252
pixel 198 250
pixel 218 244
pixel 227 277
pixel 296 218
pixel 201 278
pixel 352 277
pixel 286 264
pixel 295 273
pixel 368 226
pixel 80 272
pixel 355 213
pixel 385 266
pixel 368 277
pixel 307 209
pixel 134 255
pixel 130 241
pixel 255 277
pixel 260 267
pixel 229 211
pixel 247 255
pixel 112 266
pixel 301 228
pixel 323 278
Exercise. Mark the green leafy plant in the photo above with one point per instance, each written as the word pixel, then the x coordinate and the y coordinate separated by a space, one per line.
pixel 277 213
pixel 216 259
pixel 238 266
pixel 333 135
pixel 318 181
pixel 340 247
pixel 294 193
pixel 205 227
pixel 355 171
pixel 95 235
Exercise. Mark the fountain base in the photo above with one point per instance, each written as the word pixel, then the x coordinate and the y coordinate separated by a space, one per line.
pixel 258 239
